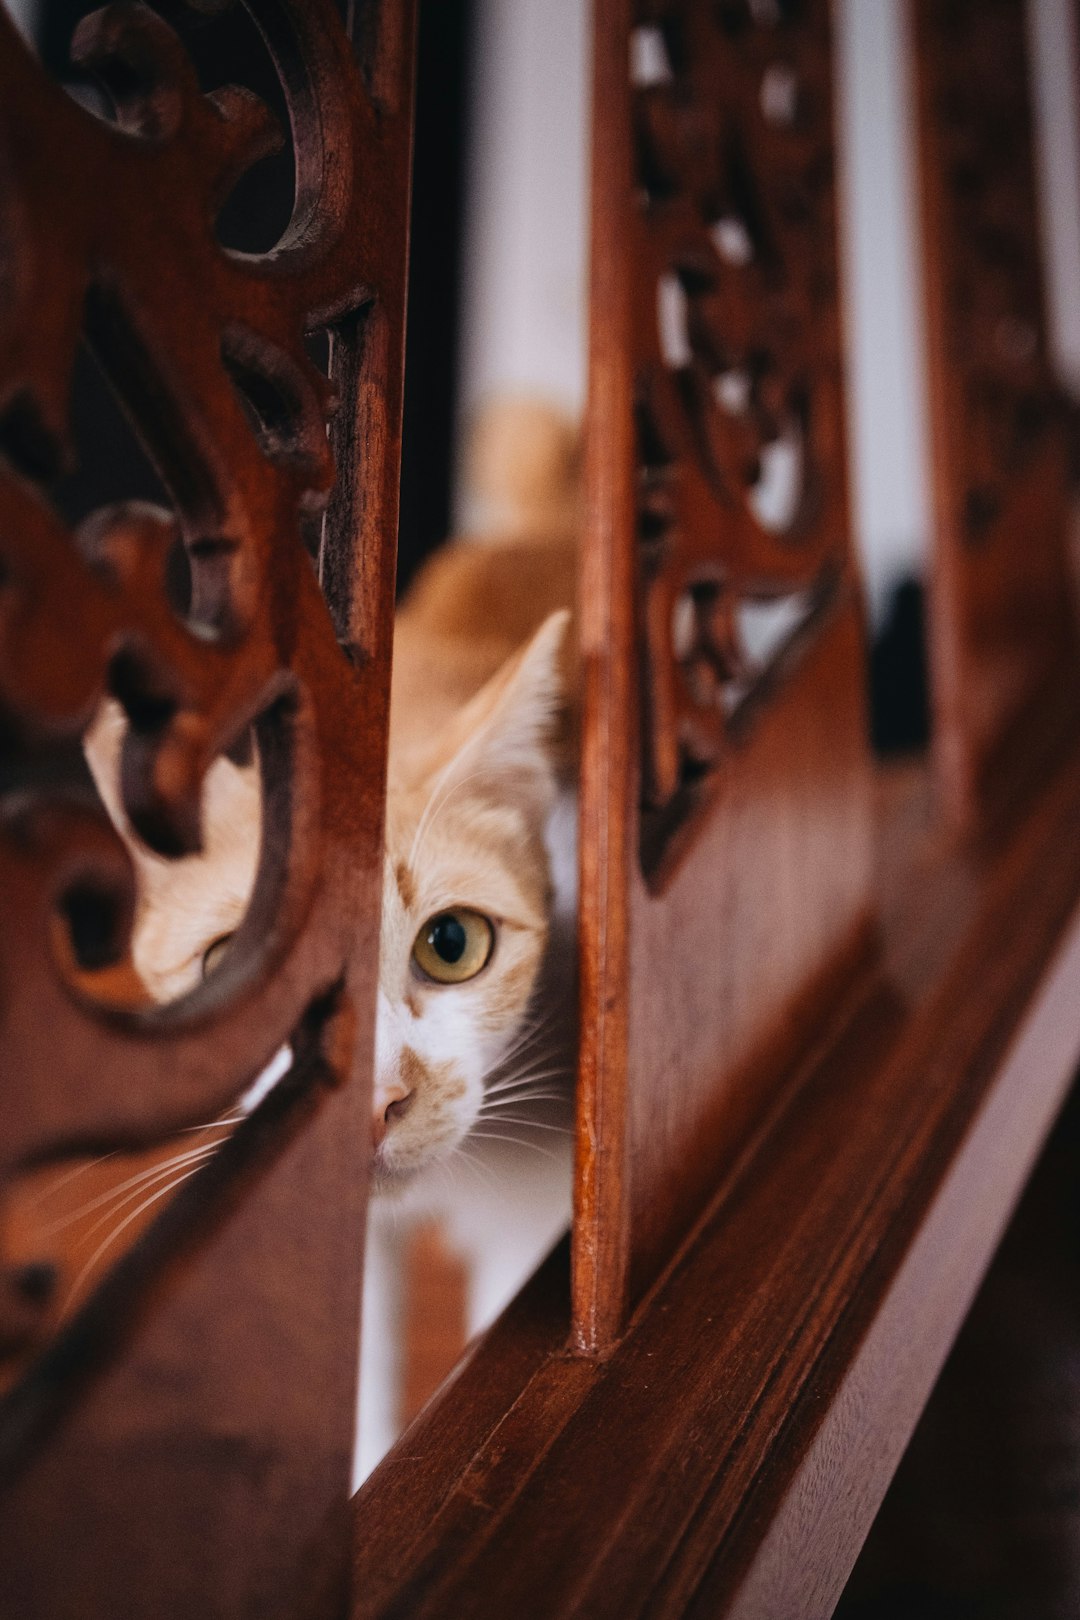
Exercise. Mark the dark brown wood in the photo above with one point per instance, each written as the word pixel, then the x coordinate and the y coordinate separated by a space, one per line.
pixel 1002 630
pixel 981 1518
pixel 729 1455
pixel 183 1446
pixel 725 824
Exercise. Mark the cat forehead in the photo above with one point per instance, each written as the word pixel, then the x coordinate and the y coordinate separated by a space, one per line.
pixel 470 852
pixel 441 876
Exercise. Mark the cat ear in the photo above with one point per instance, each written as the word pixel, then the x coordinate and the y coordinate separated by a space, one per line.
pixel 506 738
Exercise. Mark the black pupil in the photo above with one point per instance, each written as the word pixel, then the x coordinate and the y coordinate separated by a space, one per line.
pixel 448 939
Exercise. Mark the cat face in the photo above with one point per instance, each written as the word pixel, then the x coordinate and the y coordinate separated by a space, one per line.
pixel 466 903
pixel 466 899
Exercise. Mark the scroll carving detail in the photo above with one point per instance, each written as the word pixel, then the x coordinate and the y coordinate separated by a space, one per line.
pixel 107 230
pixel 740 469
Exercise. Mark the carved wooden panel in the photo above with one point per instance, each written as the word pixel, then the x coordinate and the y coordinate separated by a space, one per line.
pixel 724 822
pixel 185 1448
pixel 737 369
pixel 1003 640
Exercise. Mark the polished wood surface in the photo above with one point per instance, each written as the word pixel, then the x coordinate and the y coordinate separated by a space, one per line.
pixel 981 1518
pixel 729 1454
pixel 180 1444
pixel 725 810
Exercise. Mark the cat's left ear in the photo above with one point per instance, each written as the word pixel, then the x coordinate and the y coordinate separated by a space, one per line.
pixel 506 738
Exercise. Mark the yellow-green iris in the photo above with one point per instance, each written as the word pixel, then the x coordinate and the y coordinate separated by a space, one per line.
pixel 454 945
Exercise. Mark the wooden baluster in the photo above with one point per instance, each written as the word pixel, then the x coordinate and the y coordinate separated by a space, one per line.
pixel 1002 633
pixel 725 817
pixel 183 1445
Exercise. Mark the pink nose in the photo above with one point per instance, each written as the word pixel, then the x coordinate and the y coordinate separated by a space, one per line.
pixel 391 1102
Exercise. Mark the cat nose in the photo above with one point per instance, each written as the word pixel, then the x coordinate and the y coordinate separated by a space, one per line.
pixel 391 1102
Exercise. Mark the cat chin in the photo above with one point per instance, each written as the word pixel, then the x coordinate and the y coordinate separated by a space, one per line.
pixel 390 1186
pixel 398 1183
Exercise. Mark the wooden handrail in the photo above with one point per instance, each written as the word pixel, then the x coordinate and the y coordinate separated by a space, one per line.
pixel 728 1455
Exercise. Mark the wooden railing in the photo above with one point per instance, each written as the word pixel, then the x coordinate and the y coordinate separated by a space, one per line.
pixel 181 1444
pixel 829 1012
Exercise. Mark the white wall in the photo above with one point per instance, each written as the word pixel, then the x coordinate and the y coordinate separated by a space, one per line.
pixel 525 227
pixel 886 383
pixel 1054 63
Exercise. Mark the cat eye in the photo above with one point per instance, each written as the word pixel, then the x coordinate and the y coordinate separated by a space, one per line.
pixel 453 946
pixel 213 954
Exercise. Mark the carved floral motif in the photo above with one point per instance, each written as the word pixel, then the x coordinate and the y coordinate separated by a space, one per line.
pixel 107 232
pixel 741 476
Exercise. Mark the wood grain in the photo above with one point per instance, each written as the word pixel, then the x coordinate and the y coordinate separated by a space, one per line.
pixel 180 1444
pixel 725 805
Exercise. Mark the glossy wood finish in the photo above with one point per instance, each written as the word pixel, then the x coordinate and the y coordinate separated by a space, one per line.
pixel 1003 640
pixel 725 822
pixel 183 1445
pixel 728 1456
pixel 981 1518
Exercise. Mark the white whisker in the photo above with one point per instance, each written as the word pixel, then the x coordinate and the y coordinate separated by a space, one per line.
pixel 437 804
pixel 448 769
pixel 530 1031
pixel 488 1177
pixel 533 1124
pixel 146 1181
pixel 523 1080
pixel 115 1233
pixel 63 1179
pixel 517 1141
pixel 495 1105
pixel 132 1181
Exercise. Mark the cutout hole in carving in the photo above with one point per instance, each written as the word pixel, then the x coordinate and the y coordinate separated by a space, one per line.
pixel 774 493
pixel 732 391
pixel 649 62
pixel 672 317
pixel 683 626
pixel 779 95
pixel 228 49
pixel 732 240
pixel 110 464
pixel 141 694
pixel 25 441
pixel 94 916
pixel 91 98
pixel 765 626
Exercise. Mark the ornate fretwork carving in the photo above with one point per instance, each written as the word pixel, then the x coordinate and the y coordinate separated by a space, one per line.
pixel 742 483
pixel 107 231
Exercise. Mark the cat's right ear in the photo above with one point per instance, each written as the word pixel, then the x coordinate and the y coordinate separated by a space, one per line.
pixel 506 738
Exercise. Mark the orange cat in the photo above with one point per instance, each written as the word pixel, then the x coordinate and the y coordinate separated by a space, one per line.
pixel 478 741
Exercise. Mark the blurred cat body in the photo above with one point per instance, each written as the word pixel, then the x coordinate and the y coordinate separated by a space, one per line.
pixel 480 741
